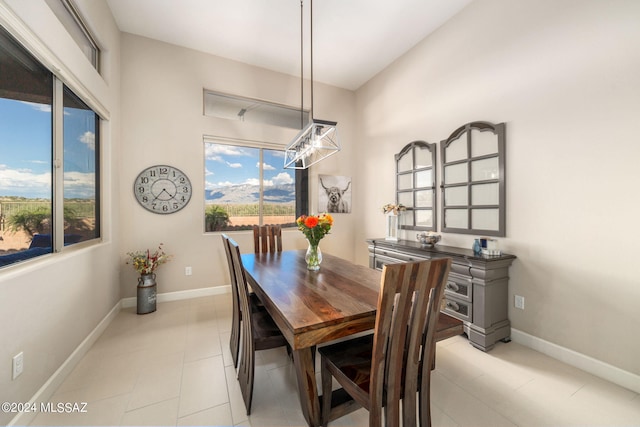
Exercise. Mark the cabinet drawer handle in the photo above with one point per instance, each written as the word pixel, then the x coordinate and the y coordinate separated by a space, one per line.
pixel 453 286
pixel 453 306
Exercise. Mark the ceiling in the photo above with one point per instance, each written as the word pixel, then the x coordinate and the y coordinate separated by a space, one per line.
pixel 353 40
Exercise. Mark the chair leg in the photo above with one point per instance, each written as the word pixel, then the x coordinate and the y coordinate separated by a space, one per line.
pixel 326 392
pixel 425 399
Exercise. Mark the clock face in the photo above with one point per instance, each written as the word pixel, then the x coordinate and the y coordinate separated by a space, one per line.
pixel 162 189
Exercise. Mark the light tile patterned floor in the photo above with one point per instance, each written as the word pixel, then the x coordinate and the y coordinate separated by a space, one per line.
pixel 173 367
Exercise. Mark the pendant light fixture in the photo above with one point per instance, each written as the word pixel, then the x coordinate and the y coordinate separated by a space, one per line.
pixel 319 138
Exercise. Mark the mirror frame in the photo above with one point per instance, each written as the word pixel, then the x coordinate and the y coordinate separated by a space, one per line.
pixel 499 131
pixel 410 224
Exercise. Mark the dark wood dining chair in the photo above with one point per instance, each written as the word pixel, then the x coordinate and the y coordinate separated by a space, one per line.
pixel 236 315
pixel 267 238
pixel 258 330
pixel 372 369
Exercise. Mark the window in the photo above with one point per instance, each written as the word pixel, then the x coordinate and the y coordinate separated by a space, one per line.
pixel 73 23
pixel 35 107
pixel 473 187
pixel 415 185
pixel 80 125
pixel 248 110
pixel 247 185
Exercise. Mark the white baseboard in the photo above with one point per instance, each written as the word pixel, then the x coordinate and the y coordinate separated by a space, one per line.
pixel 46 391
pixel 48 388
pixel 596 367
pixel 180 295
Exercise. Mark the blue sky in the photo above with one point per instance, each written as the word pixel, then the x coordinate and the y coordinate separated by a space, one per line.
pixel 227 165
pixel 25 150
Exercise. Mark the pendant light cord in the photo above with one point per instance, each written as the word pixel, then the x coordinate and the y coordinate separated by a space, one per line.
pixel 311 43
pixel 302 63
pixel 301 68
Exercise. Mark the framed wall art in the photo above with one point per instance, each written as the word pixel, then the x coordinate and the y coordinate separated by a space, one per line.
pixel 334 194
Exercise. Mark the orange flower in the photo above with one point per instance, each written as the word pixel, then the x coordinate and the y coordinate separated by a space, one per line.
pixel 314 227
pixel 311 221
pixel 328 218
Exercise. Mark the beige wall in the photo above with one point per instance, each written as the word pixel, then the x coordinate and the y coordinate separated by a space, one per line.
pixel 49 306
pixel 162 103
pixel 563 75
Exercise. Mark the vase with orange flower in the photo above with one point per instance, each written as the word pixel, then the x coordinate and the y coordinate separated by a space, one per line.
pixel 314 228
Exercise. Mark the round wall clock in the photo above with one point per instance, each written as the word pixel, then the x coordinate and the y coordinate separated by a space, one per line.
pixel 162 189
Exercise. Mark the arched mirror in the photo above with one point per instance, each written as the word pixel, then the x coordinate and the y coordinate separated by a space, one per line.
pixel 415 185
pixel 473 181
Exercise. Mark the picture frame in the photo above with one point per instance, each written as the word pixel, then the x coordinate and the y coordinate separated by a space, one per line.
pixel 334 194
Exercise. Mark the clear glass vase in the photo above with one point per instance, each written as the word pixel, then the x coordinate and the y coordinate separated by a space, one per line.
pixel 313 257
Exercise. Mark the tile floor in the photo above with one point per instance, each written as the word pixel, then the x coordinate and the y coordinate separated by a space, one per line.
pixel 173 367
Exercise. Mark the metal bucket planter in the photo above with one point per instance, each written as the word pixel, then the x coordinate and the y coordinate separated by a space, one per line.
pixel 147 292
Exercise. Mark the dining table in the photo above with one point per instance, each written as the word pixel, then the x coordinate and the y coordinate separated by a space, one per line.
pixel 315 307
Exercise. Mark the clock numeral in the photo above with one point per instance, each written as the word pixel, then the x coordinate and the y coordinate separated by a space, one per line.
pixel 141 190
pixel 145 199
pixel 182 180
pixel 185 189
pixel 175 206
pixel 182 199
pixel 165 208
pixel 144 180
pixel 164 171
pixel 152 173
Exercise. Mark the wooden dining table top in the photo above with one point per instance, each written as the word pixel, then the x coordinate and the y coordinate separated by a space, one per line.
pixel 312 307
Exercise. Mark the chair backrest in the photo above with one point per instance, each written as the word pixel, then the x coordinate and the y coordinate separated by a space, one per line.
pixel 420 355
pixel 267 238
pixel 407 289
pixel 227 251
pixel 234 338
pixel 243 294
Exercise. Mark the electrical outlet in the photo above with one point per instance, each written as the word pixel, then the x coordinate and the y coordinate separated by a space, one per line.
pixel 18 364
pixel 188 271
pixel 519 302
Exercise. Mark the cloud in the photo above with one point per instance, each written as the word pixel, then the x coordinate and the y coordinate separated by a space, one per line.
pixel 44 108
pixel 79 185
pixel 234 165
pixel 88 138
pixel 216 152
pixel 283 178
pixel 266 166
pixel 23 182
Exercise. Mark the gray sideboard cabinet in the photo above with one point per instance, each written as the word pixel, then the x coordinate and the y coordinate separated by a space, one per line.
pixel 476 291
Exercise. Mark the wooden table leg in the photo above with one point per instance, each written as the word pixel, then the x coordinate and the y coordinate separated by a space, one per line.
pixel 307 388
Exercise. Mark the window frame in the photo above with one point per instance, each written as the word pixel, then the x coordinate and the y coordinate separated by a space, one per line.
pixel 69 16
pixel 57 150
pixel 301 179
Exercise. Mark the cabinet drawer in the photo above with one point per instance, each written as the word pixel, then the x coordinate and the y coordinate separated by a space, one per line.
pixel 400 256
pixel 380 261
pixel 459 287
pixel 459 309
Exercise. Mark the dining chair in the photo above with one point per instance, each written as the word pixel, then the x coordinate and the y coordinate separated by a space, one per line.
pixel 236 315
pixel 267 238
pixel 258 330
pixel 377 370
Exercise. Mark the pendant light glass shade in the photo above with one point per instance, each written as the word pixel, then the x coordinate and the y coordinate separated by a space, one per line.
pixel 319 138
pixel 317 141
